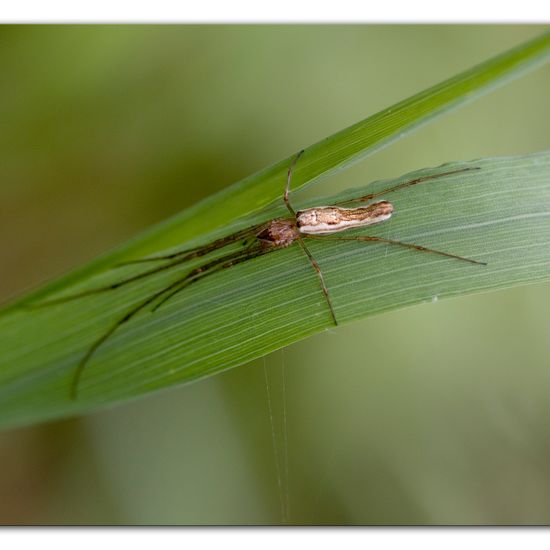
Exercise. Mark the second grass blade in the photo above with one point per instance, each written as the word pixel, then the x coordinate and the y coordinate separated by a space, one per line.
pixel 333 153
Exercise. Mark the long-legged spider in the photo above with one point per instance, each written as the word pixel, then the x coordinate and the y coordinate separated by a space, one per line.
pixel 276 234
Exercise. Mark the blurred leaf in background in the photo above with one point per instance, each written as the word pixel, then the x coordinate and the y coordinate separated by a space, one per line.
pixel 108 129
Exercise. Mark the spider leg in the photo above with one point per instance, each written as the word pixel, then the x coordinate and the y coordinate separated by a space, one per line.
pixel 127 316
pixel 368 238
pixel 409 183
pixel 210 268
pixel 112 286
pixel 178 260
pixel 317 268
pixel 199 251
pixel 288 178
pixel 301 242
pixel 164 294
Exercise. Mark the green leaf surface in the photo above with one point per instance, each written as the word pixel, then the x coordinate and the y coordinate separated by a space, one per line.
pixel 498 214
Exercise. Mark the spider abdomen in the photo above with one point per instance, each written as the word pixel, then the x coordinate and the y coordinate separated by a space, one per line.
pixel 331 219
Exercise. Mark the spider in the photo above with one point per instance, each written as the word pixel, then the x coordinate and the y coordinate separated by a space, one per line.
pixel 319 222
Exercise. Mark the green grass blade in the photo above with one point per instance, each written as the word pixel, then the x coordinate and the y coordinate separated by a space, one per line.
pixel 321 159
pixel 499 214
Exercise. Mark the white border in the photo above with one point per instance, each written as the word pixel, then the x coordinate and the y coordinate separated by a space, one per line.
pixel 276 538
pixel 281 11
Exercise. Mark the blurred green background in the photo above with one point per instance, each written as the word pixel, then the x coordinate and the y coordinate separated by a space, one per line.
pixel 435 414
